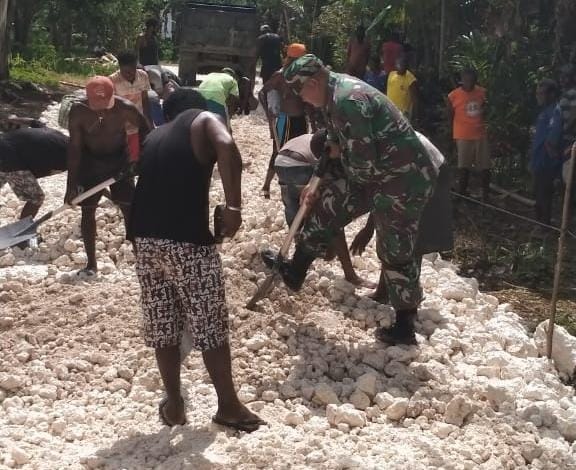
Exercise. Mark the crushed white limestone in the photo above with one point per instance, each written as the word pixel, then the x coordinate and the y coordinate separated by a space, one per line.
pixel 79 390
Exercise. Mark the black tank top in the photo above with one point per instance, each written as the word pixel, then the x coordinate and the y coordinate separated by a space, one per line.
pixel 148 54
pixel 172 196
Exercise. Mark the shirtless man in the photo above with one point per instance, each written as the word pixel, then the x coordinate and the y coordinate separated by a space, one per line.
pixel 97 151
pixel 358 53
pixel 288 120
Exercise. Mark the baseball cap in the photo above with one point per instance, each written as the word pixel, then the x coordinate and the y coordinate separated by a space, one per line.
pixel 231 72
pixel 100 93
pixel 302 69
pixel 296 50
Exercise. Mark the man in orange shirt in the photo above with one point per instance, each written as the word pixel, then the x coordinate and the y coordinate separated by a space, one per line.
pixel 466 108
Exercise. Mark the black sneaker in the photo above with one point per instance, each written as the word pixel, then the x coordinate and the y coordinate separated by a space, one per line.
pixel 293 272
pixel 269 258
pixel 395 335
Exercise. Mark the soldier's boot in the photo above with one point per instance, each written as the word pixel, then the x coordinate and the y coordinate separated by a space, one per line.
pixel 486 185
pixel 402 332
pixel 463 180
pixel 293 272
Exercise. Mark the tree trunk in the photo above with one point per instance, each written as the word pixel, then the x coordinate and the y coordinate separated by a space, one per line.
pixel 442 43
pixel 25 11
pixel 565 33
pixel 4 43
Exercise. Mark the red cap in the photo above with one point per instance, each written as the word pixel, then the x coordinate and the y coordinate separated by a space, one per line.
pixel 100 93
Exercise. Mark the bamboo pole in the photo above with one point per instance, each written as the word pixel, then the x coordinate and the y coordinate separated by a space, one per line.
pixel 560 252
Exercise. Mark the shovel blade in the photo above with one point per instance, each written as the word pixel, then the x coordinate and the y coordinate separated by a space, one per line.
pixel 17 232
pixel 262 291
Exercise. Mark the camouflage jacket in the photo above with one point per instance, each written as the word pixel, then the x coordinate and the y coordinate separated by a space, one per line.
pixel 376 140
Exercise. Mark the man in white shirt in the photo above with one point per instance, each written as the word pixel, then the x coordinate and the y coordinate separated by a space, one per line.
pixel 132 84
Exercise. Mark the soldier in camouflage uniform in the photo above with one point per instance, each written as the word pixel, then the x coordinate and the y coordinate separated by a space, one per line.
pixel 385 170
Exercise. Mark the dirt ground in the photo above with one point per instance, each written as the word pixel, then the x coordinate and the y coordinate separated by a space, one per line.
pixel 514 259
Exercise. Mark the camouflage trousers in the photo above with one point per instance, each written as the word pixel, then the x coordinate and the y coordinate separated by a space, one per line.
pixel 25 186
pixel 397 204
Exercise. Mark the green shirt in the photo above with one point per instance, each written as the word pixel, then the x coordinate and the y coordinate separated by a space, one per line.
pixel 218 87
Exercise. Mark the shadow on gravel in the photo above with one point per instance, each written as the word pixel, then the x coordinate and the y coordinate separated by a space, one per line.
pixel 321 359
pixel 179 448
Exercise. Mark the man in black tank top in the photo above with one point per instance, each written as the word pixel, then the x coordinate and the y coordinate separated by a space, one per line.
pixel 147 44
pixel 178 267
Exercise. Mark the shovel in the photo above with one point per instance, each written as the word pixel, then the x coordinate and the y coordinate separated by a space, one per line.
pixel 25 229
pixel 268 283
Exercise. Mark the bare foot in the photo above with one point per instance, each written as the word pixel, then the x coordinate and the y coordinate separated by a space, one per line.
pixel 87 273
pixel 381 297
pixel 172 412
pixel 361 282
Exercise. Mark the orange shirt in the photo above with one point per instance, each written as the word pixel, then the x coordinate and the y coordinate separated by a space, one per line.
pixel 468 113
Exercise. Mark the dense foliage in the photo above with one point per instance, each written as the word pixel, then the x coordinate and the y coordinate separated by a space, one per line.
pixel 512 43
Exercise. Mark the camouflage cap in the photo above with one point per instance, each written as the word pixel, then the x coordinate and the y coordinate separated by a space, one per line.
pixel 302 69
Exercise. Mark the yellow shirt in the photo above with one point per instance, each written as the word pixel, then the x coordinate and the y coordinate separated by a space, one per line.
pixel 399 90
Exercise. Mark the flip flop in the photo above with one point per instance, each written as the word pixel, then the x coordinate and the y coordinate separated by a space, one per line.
pixel 162 413
pixel 246 426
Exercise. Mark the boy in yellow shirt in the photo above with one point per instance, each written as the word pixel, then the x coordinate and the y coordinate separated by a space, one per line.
pixel 403 89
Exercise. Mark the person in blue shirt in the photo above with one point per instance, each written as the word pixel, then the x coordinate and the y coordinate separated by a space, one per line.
pixel 546 159
pixel 375 76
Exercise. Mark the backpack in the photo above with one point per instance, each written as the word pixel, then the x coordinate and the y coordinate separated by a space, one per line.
pixel 64 110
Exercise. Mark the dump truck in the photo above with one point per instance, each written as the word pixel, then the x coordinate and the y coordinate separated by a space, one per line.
pixel 214 35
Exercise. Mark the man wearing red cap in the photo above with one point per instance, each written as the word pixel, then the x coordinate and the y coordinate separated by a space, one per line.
pixel 98 151
pixel 284 109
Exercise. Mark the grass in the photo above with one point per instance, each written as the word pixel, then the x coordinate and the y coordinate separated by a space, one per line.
pixel 51 72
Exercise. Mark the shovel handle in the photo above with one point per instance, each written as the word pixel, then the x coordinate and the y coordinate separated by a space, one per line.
pixel 313 185
pixel 81 197
pixel 96 189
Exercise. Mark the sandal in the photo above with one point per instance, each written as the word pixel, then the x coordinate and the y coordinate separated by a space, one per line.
pixel 162 413
pixel 245 426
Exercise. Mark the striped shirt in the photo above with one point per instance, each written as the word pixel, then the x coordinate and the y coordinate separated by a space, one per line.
pixel 131 91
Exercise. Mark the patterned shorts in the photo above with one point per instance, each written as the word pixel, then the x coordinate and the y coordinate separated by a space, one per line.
pixel 24 185
pixel 182 289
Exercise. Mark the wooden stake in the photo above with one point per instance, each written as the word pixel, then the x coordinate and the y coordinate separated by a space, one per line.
pixel 560 252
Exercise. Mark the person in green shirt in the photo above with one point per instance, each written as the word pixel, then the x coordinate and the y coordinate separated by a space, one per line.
pixel 220 90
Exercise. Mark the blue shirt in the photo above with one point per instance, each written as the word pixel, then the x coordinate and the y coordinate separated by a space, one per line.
pixel 376 79
pixel 548 130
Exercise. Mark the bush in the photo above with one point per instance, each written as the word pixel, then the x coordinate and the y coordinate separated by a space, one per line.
pixel 168 52
pixel 32 71
pixel 50 69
